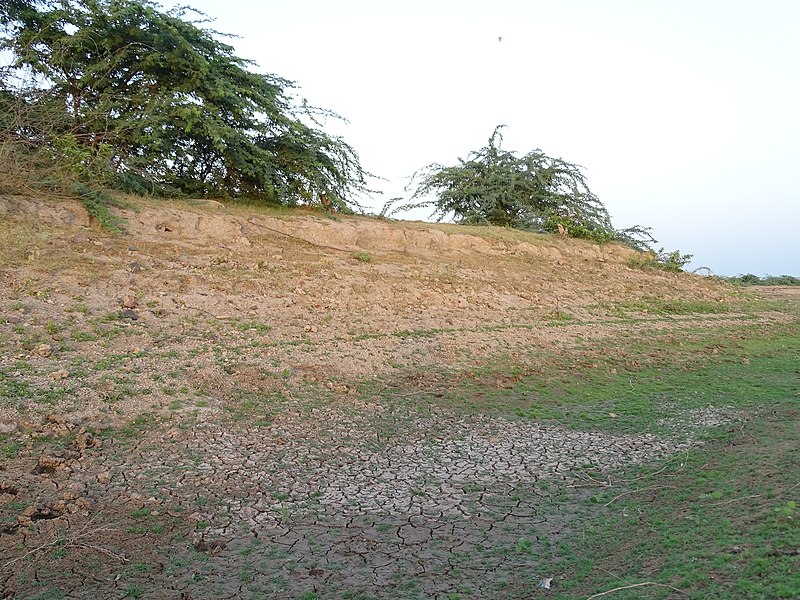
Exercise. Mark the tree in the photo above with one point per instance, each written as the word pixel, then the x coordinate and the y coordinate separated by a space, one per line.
pixel 535 191
pixel 152 102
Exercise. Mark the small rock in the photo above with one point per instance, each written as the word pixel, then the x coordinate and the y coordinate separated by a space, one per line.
pixel 43 350
pixel 104 478
pixel 130 314
pixel 80 238
pixel 612 415
pixel 48 464
pixel 129 301
pixel 85 440
pixel 7 427
pixel 83 503
pixel 59 375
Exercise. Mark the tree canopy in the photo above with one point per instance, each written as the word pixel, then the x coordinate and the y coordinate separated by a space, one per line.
pixel 149 101
pixel 535 191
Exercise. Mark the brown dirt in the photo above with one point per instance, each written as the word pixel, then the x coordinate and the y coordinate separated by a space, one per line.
pixel 790 292
pixel 184 417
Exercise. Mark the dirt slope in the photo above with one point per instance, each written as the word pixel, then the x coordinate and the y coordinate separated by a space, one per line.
pixel 328 299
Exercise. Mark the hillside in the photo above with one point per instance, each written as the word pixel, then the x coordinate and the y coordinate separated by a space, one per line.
pixel 225 401
pixel 330 300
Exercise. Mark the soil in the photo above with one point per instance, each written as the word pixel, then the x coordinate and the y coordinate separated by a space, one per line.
pixel 193 408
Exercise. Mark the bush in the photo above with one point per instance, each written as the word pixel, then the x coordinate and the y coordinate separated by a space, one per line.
pixel 673 262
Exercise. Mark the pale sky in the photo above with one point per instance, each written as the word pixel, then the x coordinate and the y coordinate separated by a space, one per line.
pixel 685 114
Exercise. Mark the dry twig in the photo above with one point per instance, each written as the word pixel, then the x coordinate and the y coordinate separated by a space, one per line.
pixel 73 542
pixel 636 585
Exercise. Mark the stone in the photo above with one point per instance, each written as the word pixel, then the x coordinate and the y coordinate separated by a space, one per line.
pixel 44 350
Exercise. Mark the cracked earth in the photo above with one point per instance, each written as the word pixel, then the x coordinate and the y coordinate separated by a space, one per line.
pixel 220 406
pixel 441 504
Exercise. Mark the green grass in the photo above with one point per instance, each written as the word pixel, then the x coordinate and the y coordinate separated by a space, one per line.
pixel 12 389
pixel 720 522
pixel 9 450
pixel 640 379
pixel 363 257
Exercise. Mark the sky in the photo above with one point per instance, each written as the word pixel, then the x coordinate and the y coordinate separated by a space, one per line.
pixel 685 114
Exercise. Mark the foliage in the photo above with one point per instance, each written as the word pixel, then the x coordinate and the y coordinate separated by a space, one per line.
pixel 122 93
pixel 535 191
pixel 665 261
pixel 750 279
pixel 97 204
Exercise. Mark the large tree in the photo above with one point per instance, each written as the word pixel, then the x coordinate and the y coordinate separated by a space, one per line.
pixel 152 101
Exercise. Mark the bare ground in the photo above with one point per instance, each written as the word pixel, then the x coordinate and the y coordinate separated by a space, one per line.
pixel 194 408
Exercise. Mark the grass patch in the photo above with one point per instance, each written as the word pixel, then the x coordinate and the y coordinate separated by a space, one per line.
pixel 640 380
pixel 363 257
pixel 9 450
pixel 723 522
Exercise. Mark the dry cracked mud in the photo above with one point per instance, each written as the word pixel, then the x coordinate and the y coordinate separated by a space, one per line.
pixel 317 502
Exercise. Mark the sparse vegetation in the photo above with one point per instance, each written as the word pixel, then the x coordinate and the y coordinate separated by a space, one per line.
pixel 673 262
pixel 750 279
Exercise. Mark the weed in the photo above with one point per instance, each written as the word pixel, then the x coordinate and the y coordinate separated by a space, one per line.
pixel 137 427
pixel 79 308
pixel 13 389
pixel 9 450
pixel 253 326
pixel 659 306
pixel 361 256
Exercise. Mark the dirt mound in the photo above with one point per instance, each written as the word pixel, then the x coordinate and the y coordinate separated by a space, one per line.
pixel 210 224
pixel 328 298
